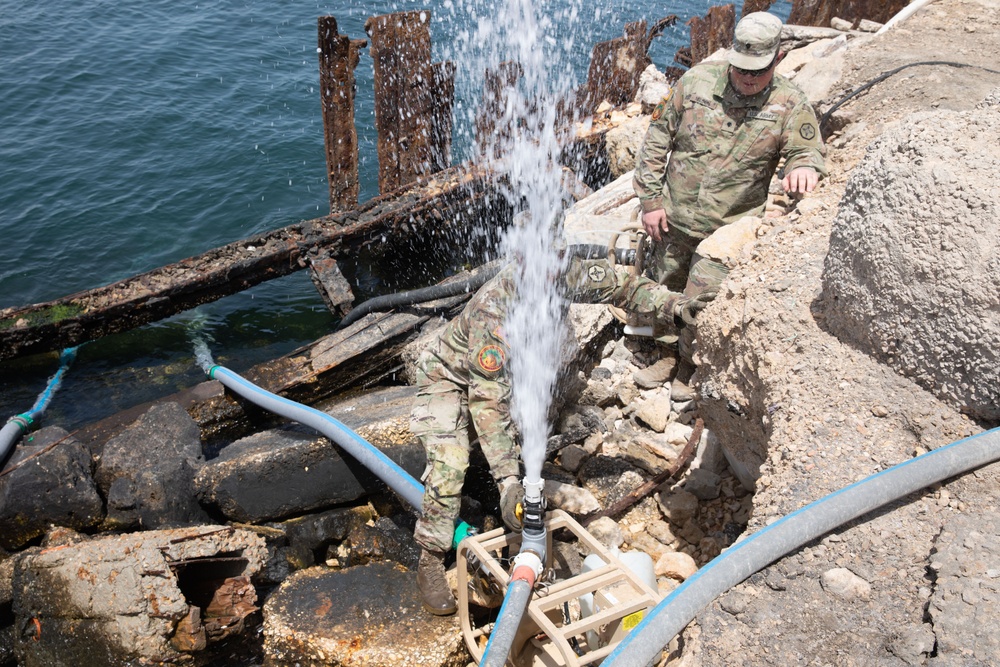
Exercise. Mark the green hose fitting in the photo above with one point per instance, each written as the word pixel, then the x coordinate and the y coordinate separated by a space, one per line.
pixel 462 531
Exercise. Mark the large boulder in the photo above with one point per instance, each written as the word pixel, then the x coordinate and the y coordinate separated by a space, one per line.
pixel 911 276
pixel 147 472
pixel 49 483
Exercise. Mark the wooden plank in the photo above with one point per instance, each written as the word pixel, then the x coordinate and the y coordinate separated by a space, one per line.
pixel 338 57
pixel 331 284
pixel 401 50
pixel 439 202
pixel 443 86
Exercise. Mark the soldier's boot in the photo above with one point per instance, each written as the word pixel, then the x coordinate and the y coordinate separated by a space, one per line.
pixel 680 388
pixel 656 375
pixel 433 584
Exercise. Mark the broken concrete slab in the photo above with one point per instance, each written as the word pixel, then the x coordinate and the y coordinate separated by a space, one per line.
pixel 282 473
pixel 49 482
pixel 368 616
pixel 122 599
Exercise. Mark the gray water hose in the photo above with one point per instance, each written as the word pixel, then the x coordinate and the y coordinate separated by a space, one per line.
pixel 515 601
pixel 527 567
pixel 747 556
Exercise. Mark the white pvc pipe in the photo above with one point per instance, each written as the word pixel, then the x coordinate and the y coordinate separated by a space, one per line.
pixel 903 14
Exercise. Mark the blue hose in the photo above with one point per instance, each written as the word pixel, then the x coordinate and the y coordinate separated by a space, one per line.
pixel 387 470
pixel 672 615
pixel 21 424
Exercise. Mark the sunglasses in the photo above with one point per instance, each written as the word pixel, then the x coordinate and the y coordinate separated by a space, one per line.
pixel 752 72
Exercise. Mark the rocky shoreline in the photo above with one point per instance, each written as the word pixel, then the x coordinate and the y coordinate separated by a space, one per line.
pixel 791 413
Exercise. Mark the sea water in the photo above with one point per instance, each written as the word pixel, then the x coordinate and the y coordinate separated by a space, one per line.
pixel 136 134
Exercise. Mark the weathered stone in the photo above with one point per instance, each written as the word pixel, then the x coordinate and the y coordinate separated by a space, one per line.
pixel 607 531
pixel 55 487
pixel 892 269
pixel 845 584
pixel 384 541
pixel 655 411
pixel 147 471
pixel 311 534
pixel 570 498
pixel 676 565
pixel 703 483
pixel 118 600
pixel 678 507
pixel 364 616
pixel 572 457
pixel 280 473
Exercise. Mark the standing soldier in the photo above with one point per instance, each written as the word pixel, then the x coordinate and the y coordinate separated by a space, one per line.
pixel 707 160
pixel 463 376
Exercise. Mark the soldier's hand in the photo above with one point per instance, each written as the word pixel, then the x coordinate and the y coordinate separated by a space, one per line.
pixel 511 495
pixel 653 222
pixel 689 307
pixel 803 179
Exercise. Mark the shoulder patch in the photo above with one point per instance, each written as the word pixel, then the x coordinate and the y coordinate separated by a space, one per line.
pixel 498 334
pixel 661 107
pixel 491 358
pixel 597 273
pixel 807 131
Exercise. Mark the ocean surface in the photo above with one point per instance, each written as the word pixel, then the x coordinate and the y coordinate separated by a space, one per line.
pixel 135 134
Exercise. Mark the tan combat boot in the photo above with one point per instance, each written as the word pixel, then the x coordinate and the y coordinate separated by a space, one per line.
pixel 680 389
pixel 654 376
pixel 434 589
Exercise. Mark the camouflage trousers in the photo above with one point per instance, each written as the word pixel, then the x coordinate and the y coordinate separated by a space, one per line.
pixel 440 418
pixel 674 262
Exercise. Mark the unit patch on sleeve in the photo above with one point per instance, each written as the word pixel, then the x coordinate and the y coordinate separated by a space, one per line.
pixel 658 111
pixel 807 131
pixel 491 358
pixel 597 273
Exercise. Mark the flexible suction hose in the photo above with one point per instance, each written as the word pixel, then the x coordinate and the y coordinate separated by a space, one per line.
pixel 744 558
pixel 528 565
pixel 471 284
pixel 21 424
pixel 371 457
pixel 508 621
pixel 387 470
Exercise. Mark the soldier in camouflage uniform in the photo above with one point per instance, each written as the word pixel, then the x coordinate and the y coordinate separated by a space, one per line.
pixel 463 376
pixel 713 145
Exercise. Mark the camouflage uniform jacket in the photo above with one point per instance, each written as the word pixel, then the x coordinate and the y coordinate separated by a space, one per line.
pixel 725 149
pixel 472 351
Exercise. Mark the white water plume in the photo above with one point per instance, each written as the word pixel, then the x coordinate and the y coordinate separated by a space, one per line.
pixel 520 36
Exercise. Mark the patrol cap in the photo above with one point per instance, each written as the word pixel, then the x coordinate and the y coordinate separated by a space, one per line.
pixel 757 38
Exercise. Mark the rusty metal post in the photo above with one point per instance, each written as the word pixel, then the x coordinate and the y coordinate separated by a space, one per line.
pixel 712 33
pixel 401 49
pixel 443 86
pixel 497 85
pixel 615 67
pixel 338 56
pixel 751 6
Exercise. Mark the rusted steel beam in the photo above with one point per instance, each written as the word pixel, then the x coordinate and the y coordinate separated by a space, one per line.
pixel 437 201
pixel 492 136
pixel 751 6
pixel 338 56
pixel 401 50
pixel 819 12
pixel 712 33
pixel 615 66
pixel 443 96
